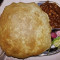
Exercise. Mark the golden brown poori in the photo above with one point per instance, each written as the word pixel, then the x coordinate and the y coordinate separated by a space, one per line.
pixel 24 30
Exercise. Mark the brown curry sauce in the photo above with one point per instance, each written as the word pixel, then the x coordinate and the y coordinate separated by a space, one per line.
pixel 53 11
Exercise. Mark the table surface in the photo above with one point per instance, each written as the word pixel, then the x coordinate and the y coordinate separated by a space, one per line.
pixel 52 57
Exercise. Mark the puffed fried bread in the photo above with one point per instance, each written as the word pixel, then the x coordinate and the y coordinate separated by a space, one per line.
pixel 24 30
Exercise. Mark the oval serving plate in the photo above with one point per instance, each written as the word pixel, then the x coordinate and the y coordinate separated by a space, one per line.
pixel 49 52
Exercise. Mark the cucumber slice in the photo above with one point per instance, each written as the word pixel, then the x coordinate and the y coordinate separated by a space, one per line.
pixel 56 42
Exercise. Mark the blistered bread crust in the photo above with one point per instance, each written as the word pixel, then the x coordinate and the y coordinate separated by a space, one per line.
pixel 24 30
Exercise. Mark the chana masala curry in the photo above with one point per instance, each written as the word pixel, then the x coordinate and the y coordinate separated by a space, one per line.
pixel 53 11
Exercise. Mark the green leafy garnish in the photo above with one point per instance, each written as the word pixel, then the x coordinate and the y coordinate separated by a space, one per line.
pixel 56 42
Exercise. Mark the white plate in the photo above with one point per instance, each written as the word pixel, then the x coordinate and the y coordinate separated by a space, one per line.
pixel 2 8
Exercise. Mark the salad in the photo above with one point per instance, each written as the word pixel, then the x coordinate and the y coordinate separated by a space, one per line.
pixel 55 36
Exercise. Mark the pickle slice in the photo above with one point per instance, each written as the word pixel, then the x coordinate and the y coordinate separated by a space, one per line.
pixel 56 42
